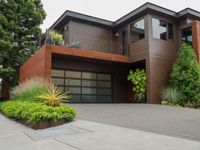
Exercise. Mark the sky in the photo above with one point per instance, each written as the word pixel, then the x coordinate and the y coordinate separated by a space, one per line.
pixel 107 9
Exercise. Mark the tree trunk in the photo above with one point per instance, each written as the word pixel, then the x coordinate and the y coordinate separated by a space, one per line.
pixel 5 89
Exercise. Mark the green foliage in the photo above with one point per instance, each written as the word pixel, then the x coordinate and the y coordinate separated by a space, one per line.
pixel 174 104
pixel 30 89
pixel 58 38
pixel 139 81
pixel 185 75
pixel 53 96
pixel 171 94
pixel 19 32
pixel 33 112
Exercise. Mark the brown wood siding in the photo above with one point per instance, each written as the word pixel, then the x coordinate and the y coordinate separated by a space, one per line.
pixel 90 37
pixel 162 55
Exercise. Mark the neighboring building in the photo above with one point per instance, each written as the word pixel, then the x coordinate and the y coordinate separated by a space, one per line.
pixel 148 37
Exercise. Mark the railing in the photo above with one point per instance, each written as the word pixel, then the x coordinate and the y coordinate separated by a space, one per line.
pixel 111 47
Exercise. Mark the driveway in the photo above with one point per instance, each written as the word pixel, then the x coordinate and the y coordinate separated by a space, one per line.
pixel 177 122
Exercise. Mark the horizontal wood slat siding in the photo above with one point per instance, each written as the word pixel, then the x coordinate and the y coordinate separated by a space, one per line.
pixel 162 55
pixel 90 37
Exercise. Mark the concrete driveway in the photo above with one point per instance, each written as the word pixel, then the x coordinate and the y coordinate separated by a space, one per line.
pixel 171 121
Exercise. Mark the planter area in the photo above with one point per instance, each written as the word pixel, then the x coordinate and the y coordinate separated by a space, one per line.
pixel 37 115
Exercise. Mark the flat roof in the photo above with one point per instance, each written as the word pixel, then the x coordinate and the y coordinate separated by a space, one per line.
pixel 68 15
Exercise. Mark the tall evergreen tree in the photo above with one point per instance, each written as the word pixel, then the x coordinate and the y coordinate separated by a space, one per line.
pixel 185 75
pixel 19 31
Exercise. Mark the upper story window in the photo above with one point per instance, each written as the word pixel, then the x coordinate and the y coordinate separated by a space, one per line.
pixel 138 30
pixel 162 30
pixel 187 35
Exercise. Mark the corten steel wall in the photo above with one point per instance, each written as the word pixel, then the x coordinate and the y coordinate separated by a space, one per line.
pixel 38 65
pixel 196 37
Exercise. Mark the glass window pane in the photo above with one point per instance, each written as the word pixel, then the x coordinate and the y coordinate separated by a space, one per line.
pixel 104 77
pixel 138 31
pixel 72 74
pixel 73 90
pixel 89 75
pixel 57 73
pixel 159 29
pixel 88 98
pixel 73 82
pixel 187 35
pixel 75 99
pixel 104 99
pixel 89 83
pixel 61 87
pixel 88 90
pixel 58 81
pixel 104 91
pixel 103 83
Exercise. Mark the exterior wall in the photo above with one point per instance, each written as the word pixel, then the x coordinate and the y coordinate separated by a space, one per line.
pixel 162 55
pixel 38 65
pixel 90 37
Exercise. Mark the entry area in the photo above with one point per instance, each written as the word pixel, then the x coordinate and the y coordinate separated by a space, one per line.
pixel 84 87
pixel 91 80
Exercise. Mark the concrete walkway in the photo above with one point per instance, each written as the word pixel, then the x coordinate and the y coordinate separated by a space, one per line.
pixel 85 135
pixel 177 122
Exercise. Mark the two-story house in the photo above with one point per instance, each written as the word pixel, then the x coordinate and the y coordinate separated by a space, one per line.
pixel 148 37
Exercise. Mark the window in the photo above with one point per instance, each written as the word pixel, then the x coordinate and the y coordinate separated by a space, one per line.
pixel 162 30
pixel 138 31
pixel 187 35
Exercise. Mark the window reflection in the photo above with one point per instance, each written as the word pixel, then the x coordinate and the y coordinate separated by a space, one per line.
pixel 162 30
pixel 138 31
pixel 187 35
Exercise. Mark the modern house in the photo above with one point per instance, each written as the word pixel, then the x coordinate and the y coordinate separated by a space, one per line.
pixel 96 70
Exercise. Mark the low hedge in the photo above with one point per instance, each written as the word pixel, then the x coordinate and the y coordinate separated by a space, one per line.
pixel 34 112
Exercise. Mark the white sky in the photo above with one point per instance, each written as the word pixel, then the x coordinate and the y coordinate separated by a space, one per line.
pixel 107 9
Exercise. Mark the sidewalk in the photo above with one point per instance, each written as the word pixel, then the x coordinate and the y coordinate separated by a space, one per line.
pixel 85 135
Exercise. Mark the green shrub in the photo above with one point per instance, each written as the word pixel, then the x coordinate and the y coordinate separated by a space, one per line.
pixel 185 75
pixel 139 81
pixel 30 89
pixel 33 112
pixel 58 38
pixel 171 94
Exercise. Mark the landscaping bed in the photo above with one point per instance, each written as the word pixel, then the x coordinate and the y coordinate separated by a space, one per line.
pixel 37 115
pixel 36 103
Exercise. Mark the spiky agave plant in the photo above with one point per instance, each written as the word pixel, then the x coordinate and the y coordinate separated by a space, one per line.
pixel 54 96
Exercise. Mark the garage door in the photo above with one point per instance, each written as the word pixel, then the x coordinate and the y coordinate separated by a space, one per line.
pixel 85 87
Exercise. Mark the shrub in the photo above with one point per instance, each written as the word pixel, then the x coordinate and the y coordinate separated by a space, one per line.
pixel 30 89
pixel 185 75
pixel 139 81
pixel 33 112
pixel 171 104
pixel 58 38
pixel 53 96
pixel 171 94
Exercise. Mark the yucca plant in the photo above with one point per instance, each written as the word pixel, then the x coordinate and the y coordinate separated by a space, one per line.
pixel 54 96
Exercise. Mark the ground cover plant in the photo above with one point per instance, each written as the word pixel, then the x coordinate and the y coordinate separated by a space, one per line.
pixel 37 100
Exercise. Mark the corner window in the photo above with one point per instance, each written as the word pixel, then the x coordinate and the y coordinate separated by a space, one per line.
pixel 162 30
pixel 138 31
pixel 187 35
